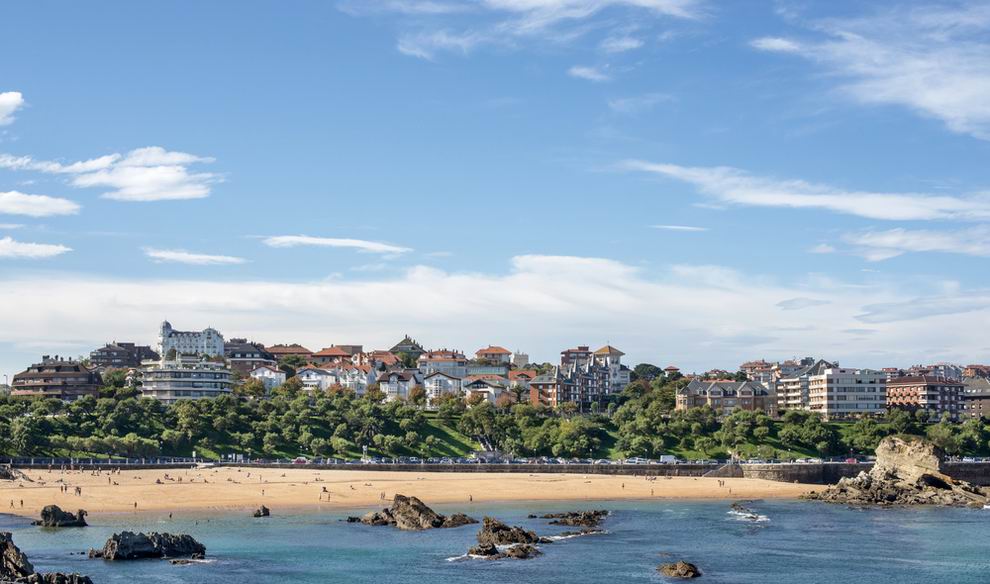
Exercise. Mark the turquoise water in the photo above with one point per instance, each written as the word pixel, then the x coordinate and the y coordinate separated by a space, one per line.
pixel 801 542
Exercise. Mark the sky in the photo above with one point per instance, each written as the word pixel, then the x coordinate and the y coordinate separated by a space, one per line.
pixel 698 183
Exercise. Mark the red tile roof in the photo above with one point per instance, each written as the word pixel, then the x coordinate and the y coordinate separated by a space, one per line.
pixel 493 350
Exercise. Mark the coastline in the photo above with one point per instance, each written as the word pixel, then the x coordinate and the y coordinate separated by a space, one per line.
pixel 233 489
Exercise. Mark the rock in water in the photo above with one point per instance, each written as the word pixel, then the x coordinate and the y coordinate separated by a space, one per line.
pixel 127 545
pixel 494 532
pixel 411 514
pixel 679 570
pixel 15 567
pixel 908 471
pixel 263 512
pixel 521 551
pixel 53 516
pixel 578 518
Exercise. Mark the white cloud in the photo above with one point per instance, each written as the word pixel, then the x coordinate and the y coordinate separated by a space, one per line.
pixel 11 225
pixel 621 44
pixel 934 60
pixel 801 303
pixel 358 244
pixel 679 228
pixel 637 104
pixel 775 44
pixel 15 203
pixel 179 256
pixel 10 102
pixel 588 73
pixel 9 248
pixel 822 248
pixel 710 315
pixel 731 185
pixel 426 45
pixel 882 245
pixel 144 174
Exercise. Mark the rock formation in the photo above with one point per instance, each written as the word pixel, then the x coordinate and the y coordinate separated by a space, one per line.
pixel 15 568
pixel 577 518
pixel 679 570
pixel 494 532
pixel 53 516
pixel 127 545
pixel 517 552
pixel 411 514
pixel 263 512
pixel 908 471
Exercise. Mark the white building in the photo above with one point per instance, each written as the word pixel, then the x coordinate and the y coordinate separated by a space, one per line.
pixel 316 378
pixel 436 384
pixel 396 384
pixel 838 393
pixel 618 375
pixel 269 376
pixel 185 378
pixel 452 363
pixel 207 342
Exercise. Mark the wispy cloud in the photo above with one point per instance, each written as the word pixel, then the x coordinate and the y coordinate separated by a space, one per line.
pixel 800 303
pixel 358 244
pixel 588 73
pixel 179 256
pixel 881 245
pixel 12 249
pixel 822 248
pixel 620 44
pixel 638 104
pixel 679 228
pixel 11 225
pixel 425 45
pixel 15 203
pixel 144 174
pixel 10 102
pixel 731 185
pixel 934 60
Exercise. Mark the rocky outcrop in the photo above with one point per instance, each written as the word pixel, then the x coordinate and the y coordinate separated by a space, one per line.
pixel 263 512
pixel 411 514
pixel 494 532
pixel 679 570
pixel 127 545
pixel 15 567
pixel 53 516
pixel 908 471
pixel 516 552
pixel 577 518
pixel 8 473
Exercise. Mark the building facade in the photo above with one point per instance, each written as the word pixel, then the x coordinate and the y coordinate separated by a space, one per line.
pixel 976 397
pixel 939 396
pixel 838 393
pixel 245 357
pixel 494 354
pixel 439 383
pixel 270 376
pixel 449 362
pixel 726 396
pixel 184 378
pixel 58 378
pixel 293 350
pixel 791 387
pixel 121 356
pixel 207 342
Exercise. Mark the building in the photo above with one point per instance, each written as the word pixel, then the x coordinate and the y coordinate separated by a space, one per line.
pixel 941 370
pixel 726 396
pixel 976 397
pixel 838 393
pixel 450 362
pixel 618 374
pixel 791 386
pixel 186 377
pixel 584 377
pixel 976 371
pixel 522 378
pixel 759 370
pixel 294 350
pixel 207 342
pixel 270 376
pixel 494 354
pixel 439 383
pixel 940 396
pixel 245 357
pixel 520 359
pixel 490 387
pixel 58 378
pixel 408 346
pixel 121 356
pixel 331 354
pixel 314 378
pixel 396 384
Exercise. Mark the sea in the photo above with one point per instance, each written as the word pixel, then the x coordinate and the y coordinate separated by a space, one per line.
pixel 792 542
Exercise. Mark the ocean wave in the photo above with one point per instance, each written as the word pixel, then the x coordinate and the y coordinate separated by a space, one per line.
pixel 573 535
pixel 748 516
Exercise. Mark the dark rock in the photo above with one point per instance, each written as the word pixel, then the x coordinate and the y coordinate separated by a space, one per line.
pixel 127 545
pixel 15 567
pixel 53 516
pixel 411 514
pixel 679 570
pixel 517 552
pixel 577 518
pixel 263 512
pixel 589 531
pixel 495 532
pixel 907 472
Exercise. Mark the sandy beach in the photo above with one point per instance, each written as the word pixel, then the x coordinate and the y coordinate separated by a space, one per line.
pixel 235 489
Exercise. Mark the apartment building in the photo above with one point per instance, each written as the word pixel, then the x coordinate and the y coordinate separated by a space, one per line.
pixel 244 357
pixel 185 377
pixel 56 377
pixel 791 387
pixel 121 356
pixel 449 362
pixel 976 397
pixel 940 396
pixel 726 396
pixel 838 393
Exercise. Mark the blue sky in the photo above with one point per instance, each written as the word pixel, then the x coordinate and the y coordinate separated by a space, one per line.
pixel 697 182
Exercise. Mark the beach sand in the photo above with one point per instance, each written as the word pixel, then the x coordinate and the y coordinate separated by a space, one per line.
pixel 244 489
